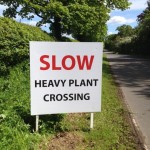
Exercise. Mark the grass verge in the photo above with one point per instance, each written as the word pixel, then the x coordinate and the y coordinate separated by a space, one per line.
pixel 112 129
pixel 64 132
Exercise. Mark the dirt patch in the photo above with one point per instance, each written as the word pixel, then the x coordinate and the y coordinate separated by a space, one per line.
pixel 66 141
pixel 71 138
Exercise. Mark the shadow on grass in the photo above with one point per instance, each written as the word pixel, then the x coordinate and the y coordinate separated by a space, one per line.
pixel 47 123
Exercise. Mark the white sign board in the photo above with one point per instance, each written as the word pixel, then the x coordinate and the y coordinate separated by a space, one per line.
pixel 65 77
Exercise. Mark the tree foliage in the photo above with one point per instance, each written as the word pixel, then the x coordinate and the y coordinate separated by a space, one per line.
pixel 125 30
pixel 141 17
pixel 84 19
pixel 142 40
pixel 120 42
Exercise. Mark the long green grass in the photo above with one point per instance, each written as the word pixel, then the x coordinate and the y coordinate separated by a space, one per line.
pixel 111 128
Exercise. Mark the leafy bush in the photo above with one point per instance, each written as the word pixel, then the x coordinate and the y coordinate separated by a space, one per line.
pixel 14 42
pixel 119 44
pixel 17 126
pixel 123 45
pixel 122 41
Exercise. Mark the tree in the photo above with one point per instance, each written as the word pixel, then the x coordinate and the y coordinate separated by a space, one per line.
pixel 142 16
pixel 84 19
pixel 125 30
pixel 122 41
pixel 110 42
pixel 142 41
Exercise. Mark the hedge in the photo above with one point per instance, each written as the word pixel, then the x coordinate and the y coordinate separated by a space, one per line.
pixel 14 42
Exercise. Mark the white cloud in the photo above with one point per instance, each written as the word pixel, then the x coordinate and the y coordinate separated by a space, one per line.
pixel 138 4
pixel 32 23
pixel 2 7
pixel 18 18
pixel 45 25
pixel 68 36
pixel 112 32
pixel 120 20
pixel 1 13
pixel 109 33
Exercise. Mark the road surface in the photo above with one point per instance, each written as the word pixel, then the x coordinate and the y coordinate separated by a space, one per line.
pixel 133 76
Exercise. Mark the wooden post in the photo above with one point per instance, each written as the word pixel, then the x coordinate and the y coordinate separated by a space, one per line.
pixel 92 121
pixel 37 123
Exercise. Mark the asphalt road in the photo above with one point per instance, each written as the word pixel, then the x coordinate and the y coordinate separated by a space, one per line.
pixel 133 76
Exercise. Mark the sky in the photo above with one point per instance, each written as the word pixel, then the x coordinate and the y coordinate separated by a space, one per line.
pixel 129 16
pixel 117 17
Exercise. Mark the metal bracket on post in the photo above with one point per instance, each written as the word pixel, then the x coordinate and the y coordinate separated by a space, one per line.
pixel 92 121
pixel 37 123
